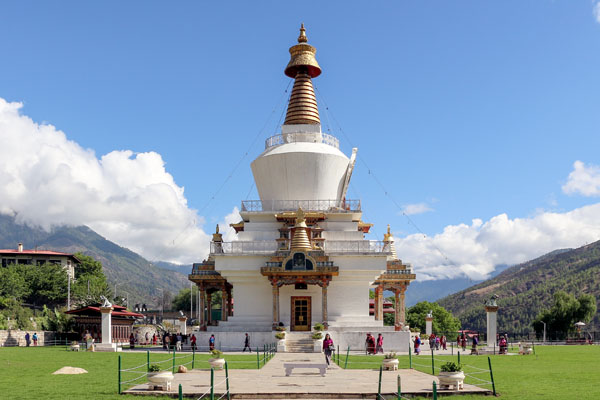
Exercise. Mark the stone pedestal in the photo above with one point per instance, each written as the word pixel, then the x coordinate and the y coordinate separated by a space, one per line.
pixel 107 344
pixel 182 325
pixel 492 326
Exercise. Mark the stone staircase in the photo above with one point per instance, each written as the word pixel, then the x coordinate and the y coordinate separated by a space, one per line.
pixel 299 342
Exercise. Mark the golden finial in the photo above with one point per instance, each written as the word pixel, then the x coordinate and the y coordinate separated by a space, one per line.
pixel 303 66
pixel 217 230
pixel 387 237
pixel 302 38
pixel 300 216
pixel 388 229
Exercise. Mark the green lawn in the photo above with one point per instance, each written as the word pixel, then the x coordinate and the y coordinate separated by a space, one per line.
pixel 554 372
pixel 26 373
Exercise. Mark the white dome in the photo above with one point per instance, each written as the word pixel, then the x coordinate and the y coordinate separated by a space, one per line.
pixel 300 171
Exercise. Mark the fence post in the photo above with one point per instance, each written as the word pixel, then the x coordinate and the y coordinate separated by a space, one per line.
pixel 494 348
pixel 257 359
pixel 180 392
pixel 347 355
pixel 173 360
pixel 434 391
pixel 458 356
pixel 492 377
pixel 432 363
pixel 409 357
pixel 147 360
pixel 379 387
pixel 212 383
pixel 227 380
pixel 119 374
pixel 338 354
pixel 193 357
pixel 399 388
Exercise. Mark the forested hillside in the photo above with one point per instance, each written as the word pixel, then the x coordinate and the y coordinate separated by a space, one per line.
pixel 135 276
pixel 527 288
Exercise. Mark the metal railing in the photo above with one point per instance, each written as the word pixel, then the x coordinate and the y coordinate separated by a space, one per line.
pixel 332 206
pixel 355 247
pixel 306 137
pixel 244 247
pixel 270 247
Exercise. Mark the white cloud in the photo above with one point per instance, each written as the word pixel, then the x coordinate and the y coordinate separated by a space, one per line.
pixel 596 10
pixel 474 250
pixel 583 179
pixel 418 208
pixel 46 180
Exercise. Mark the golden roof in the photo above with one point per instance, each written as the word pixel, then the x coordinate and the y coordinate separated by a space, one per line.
pixel 302 107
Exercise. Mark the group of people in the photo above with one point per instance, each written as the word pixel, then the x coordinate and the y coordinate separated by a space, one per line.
pixel 374 346
pixel 29 338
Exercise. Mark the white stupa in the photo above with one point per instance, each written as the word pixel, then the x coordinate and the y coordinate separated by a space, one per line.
pixel 300 256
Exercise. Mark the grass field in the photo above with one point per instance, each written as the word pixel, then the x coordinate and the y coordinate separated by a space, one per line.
pixel 26 372
pixel 555 372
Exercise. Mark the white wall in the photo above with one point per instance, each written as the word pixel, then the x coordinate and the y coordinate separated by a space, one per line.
pixel 285 294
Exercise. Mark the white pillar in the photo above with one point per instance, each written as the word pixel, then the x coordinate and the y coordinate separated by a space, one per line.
pixel 182 325
pixel 428 325
pixel 492 327
pixel 106 324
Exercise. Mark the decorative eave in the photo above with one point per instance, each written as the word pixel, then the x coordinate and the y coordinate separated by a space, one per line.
pixel 364 227
pixel 319 271
pixel 239 227
pixel 290 216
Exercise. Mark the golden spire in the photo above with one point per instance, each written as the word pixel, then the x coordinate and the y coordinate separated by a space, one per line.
pixel 300 239
pixel 302 108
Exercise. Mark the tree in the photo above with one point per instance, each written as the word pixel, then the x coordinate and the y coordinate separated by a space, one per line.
pixel 182 299
pixel 443 321
pixel 90 281
pixel 567 310
pixel 47 284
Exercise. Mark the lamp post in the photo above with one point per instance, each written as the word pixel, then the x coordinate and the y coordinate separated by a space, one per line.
pixel 544 337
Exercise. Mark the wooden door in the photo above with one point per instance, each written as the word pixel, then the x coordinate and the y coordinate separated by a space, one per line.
pixel 301 309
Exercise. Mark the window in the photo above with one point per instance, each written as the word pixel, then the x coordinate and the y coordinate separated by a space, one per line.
pixel 298 262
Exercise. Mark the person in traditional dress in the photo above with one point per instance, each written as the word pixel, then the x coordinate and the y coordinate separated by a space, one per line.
pixel 211 342
pixel 328 349
pixel 379 348
pixel 370 343
pixel 417 342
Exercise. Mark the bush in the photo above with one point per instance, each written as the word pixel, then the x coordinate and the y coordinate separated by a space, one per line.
pixel 280 335
pixel 216 353
pixel 280 328
pixel 451 367
pixel 319 327
pixel 317 336
pixel 153 368
pixel 390 356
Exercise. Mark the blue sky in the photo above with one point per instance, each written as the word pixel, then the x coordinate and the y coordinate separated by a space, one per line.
pixel 470 109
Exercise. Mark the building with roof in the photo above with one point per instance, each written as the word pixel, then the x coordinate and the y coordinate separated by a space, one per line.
pixel 20 256
pixel 301 256
pixel 89 319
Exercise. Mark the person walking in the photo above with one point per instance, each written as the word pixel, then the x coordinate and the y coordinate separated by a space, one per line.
pixel 27 339
pixel 178 345
pixel 166 342
pixel 370 343
pixel 35 338
pixel 154 339
pixel 328 349
pixel 131 341
pixel 463 342
pixel 443 342
pixel 247 344
pixel 193 342
pixel 417 342
pixel 379 346
pixel 211 342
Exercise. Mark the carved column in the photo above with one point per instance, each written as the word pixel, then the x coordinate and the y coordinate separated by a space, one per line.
pixel 224 304
pixel 397 320
pixel 379 303
pixel 202 293
pixel 209 306
pixel 230 307
pixel 403 306
pixel 275 303
pixel 324 304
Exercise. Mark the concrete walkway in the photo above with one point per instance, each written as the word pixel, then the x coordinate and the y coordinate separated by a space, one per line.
pixel 270 382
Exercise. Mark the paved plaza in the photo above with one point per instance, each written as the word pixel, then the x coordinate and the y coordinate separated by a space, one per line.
pixel 270 382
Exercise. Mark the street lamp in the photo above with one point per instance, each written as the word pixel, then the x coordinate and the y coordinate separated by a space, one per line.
pixel 544 338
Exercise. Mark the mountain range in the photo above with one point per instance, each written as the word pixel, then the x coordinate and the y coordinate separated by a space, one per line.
pixel 526 289
pixel 140 280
